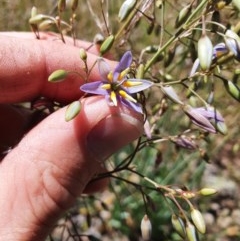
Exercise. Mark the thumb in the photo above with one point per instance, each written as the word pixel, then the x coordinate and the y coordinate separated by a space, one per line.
pixel 54 162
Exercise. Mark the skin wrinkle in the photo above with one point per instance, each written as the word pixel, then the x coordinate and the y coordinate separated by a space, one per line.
pixel 25 147
pixel 19 192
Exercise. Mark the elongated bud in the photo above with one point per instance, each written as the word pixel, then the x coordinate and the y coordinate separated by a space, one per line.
pixel 58 75
pixel 171 94
pixel 184 142
pixel 207 191
pixel 46 24
pixel 107 44
pixel 198 220
pixel 74 5
pixel 140 71
pixel 72 110
pixel 221 127
pixel 146 228
pixel 33 11
pixel 38 18
pixel 125 9
pixel 198 119
pixel 83 54
pixel 183 15
pixel 61 5
pixel 205 52
pixel 191 232
pixel 232 89
pixel 178 225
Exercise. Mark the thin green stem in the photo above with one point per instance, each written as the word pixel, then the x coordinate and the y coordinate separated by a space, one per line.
pixel 187 24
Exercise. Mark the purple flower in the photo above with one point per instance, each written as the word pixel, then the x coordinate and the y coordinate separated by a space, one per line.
pixel 210 113
pixel 207 118
pixel 115 85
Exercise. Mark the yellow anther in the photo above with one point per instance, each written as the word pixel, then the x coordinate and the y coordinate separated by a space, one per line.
pixel 129 83
pixel 113 97
pixel 110 76
pixel 126 96
pixel 123 73
pixel 106 86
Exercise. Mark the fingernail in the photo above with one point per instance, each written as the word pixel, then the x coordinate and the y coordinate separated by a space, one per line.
pixel 112 133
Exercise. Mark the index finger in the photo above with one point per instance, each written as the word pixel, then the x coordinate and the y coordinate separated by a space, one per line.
pixel 25 65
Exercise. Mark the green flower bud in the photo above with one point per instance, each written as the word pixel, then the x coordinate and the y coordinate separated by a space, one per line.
pixel 58 75
pixel 107 44
pixel 198 220
pixel 205 52
pixel 33 11
pixel 191 232
pixel 140 71
pixel 221 127
pixel 125 9
pixel 72 110
pixel 46 24
pixel 38 18
pixel 183 15
pixel 207 191
pixel 178 225
pixel 232 89
pixel 146 228
pixel 82 54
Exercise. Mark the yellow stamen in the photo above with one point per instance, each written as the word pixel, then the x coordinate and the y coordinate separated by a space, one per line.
pixel 110 76
pixel 106 86
pixel 123 73
pixel 129 83
pixel 113 98
pixel 126 96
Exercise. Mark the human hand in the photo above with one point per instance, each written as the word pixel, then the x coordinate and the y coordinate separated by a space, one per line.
pixel 53 163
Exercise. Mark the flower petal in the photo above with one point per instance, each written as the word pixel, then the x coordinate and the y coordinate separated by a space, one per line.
pixel 194 67
pixel 199 119
pixel 124 63
pixel 94 88
pixel 210 113
pixel 104 69
pixel 145 84
pixel 137 107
